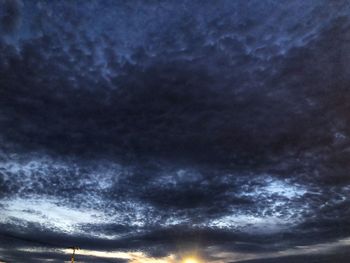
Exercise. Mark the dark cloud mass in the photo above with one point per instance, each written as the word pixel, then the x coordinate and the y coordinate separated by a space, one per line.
pixel 10 15
pixel 149 130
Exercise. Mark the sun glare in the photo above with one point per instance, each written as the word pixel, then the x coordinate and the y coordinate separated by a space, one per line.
pixel 190 260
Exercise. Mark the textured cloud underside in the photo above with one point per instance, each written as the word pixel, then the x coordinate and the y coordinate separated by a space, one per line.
pixel 165 127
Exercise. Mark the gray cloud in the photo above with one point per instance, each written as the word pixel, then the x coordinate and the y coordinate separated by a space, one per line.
pixel 158 123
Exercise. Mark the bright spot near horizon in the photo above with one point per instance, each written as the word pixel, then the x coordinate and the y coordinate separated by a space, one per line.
pixel 190 260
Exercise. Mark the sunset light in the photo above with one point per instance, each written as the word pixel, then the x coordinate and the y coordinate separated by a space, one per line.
pixel 191 260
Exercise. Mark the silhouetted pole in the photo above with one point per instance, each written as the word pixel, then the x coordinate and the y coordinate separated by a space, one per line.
pixel 74 248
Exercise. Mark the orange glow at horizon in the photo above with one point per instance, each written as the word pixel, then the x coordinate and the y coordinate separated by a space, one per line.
pixel 191 260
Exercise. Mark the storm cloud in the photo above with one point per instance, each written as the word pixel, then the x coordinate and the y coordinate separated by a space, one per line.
pixel 155 129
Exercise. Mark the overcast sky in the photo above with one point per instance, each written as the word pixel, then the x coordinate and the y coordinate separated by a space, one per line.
pixel 150 131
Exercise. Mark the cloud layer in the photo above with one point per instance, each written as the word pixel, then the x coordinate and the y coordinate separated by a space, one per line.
pixel 165 128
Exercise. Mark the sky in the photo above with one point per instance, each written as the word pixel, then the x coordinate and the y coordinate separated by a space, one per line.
pixel 152 131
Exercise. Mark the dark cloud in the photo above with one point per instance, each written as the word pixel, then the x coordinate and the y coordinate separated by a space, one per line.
pixel 155 124
pixel 343 256
pixel 10 15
